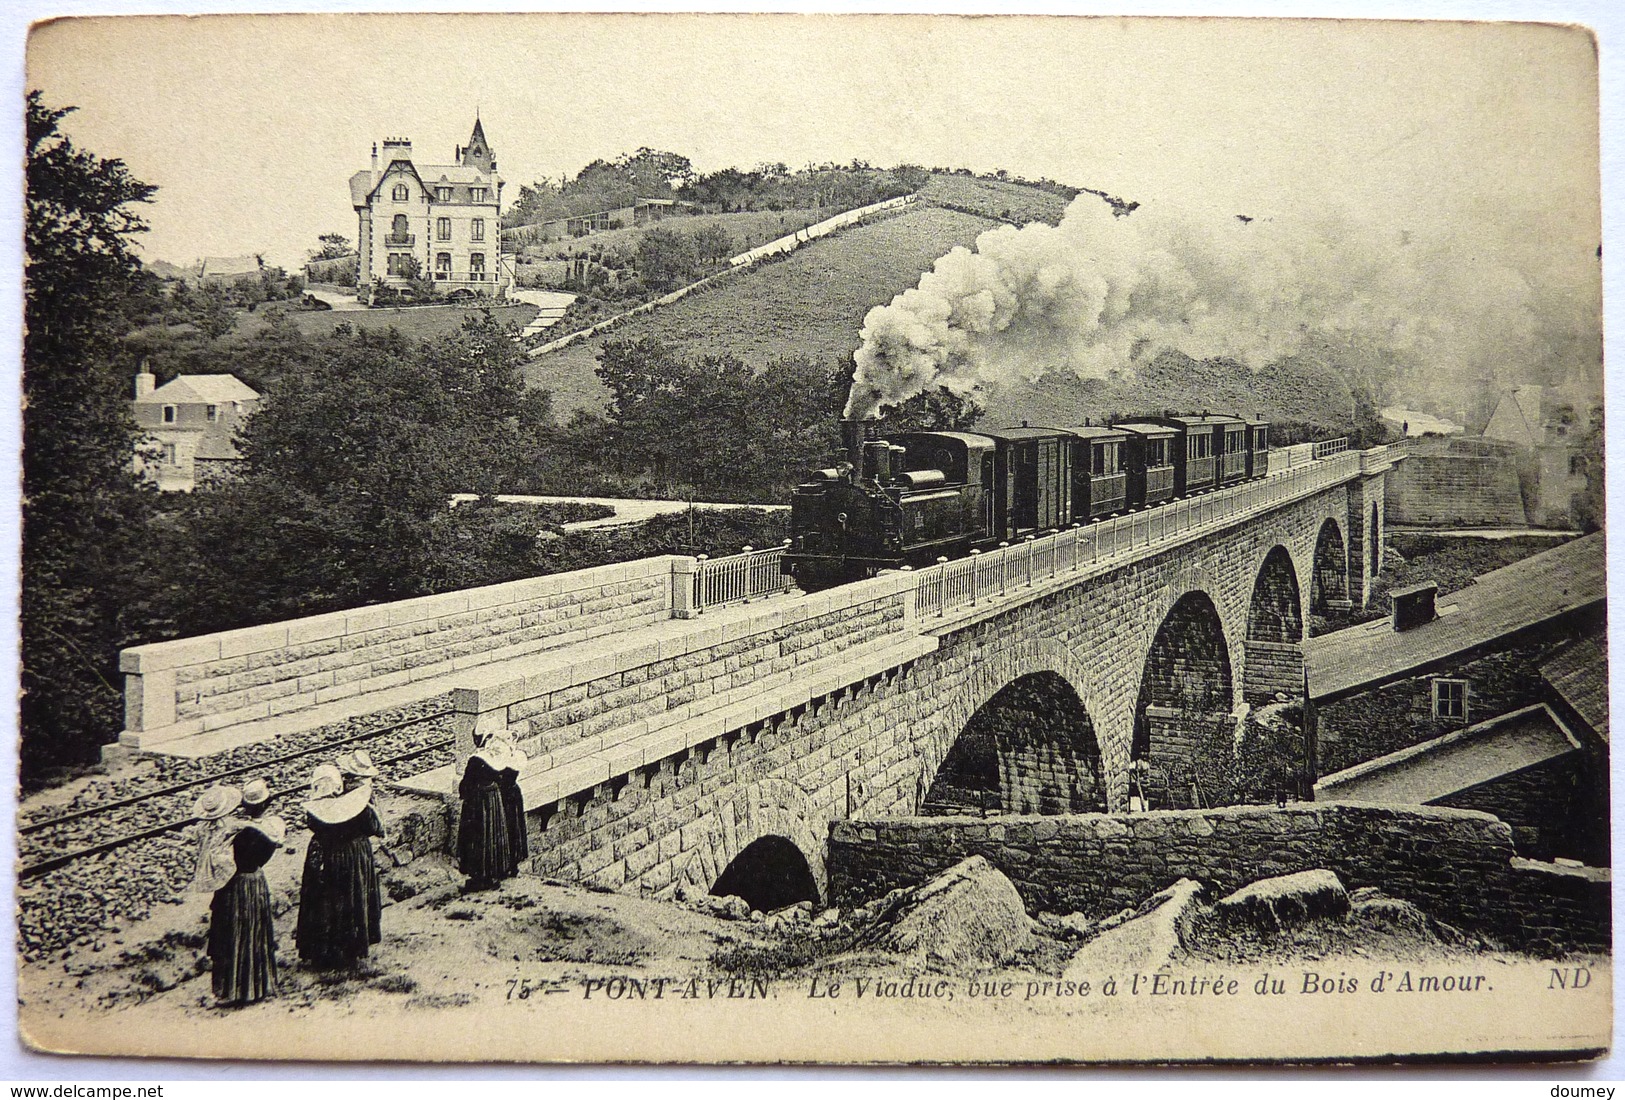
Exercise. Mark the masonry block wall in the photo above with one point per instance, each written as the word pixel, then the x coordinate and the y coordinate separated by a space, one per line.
pixel 193 685
pixel 1441 485
pixel 874 746
pixel 1550 808
pixel 1397 715
pixel 1366 522
pixel 1455 864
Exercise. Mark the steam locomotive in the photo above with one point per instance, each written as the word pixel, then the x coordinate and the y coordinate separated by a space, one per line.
pixel 917 496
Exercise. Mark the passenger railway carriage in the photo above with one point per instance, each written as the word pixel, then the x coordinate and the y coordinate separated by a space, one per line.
pixel 919 496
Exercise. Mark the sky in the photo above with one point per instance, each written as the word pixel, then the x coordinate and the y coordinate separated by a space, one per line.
pixel 251 126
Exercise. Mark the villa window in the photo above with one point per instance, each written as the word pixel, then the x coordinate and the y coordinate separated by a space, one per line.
pixel 1450 700
pixel 476 266
pixel 478 194
pixel 400 264
pixel 476 229
pixel 169 454
pixel 211 413
pixel 442 194
pixel 442 229
pixel 169 414
pixel 442 265
pixel 401 193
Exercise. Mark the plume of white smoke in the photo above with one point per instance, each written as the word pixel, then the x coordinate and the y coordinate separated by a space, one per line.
pixel 1099 294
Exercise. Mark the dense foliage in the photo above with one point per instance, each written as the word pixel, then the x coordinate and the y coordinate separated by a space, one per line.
pixel 83 288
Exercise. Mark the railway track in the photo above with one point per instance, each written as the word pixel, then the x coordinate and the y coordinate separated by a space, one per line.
pixel 50 843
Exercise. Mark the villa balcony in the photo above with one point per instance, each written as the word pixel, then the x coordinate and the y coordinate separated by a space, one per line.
pixel 406 239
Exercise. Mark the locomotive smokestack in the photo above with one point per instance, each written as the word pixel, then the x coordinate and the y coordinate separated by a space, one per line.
pixel 854 433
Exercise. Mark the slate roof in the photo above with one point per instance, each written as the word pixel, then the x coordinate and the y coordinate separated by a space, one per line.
pixel 226 267
pixel 1534 590
pixel 1579 674
pixel 200 389
pixel 1453 763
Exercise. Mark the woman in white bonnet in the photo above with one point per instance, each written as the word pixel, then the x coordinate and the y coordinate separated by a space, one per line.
pixel 242 934
pixel 339 896
pixel 483 852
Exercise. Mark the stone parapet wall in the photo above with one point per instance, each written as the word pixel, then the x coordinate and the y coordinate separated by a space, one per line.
pixel 1456 490
pixel 195 685
pixel 1455 864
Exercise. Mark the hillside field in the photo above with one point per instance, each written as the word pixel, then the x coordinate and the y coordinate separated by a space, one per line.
pixel 418 322
pixel 810 303
pixel 748 229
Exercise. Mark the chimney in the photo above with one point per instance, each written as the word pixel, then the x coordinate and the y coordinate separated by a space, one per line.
pixel 1413 607
pixel 853 435
pixel 145 383
pixel 397 149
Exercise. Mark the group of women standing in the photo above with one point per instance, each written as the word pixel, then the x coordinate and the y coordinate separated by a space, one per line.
pixel 339 895
pixel 491 841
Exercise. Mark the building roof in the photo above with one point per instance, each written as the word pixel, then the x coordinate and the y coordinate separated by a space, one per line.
pixel 225 267
pixel 1454 763
pixel 200 389
pixel 1579 674
pixel 1534 590
pixel 1141 427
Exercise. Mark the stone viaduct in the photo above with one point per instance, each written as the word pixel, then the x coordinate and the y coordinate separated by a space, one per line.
pixel 1067 674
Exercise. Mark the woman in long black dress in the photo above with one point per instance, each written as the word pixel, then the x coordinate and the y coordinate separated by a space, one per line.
pixel 483 848
pixel 242 935
pixel 513 803
pixel 339 897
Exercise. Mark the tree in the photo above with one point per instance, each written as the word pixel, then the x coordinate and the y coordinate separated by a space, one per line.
pixel 713 243
pixel 334 246
pixel 84 507
pixel 666 259
pixel 349 470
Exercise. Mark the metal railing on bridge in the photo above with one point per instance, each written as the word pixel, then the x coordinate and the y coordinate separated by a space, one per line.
pixel 1102 546
pixel 1328 447
pixel 747 575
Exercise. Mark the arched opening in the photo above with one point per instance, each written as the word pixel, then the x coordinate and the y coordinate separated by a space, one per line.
pixel 1029 749
pixel 1182 717
pixel 1329 593
pixel 397 226
pixel 1376 541
pixel 769 873
pixel 1274 647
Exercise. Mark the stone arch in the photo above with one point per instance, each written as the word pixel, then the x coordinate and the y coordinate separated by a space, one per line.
pixel 1185 699
pixel 1274 643
pixel 769 873
pixel 1009 661
pixel 1030 748
pixel 1329 592
pixel 769 808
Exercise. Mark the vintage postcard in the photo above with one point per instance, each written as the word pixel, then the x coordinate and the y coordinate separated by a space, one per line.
pixel 813 538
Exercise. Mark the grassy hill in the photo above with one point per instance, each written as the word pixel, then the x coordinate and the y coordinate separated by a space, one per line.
pixel 810 303
pixel 419 322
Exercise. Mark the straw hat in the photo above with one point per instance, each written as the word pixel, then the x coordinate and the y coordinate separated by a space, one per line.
pixel 256 793
pixel 358 763
pixel 325 781
pixel 340 808
pixel 217 802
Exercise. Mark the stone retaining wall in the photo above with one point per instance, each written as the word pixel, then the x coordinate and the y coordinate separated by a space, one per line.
pixel 1456 864
pixel 194 685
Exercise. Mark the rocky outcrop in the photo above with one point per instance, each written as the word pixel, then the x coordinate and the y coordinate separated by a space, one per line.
pixel 1144 942
pixel 967 918
pixel 1273 904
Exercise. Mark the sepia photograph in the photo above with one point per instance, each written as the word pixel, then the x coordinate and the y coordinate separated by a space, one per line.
pixel 812 538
